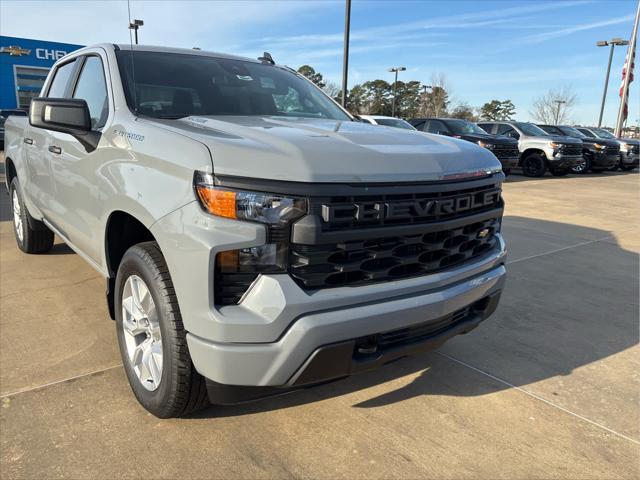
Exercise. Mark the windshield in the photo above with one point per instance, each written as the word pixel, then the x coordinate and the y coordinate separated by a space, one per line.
pixel 602 133
pixel 172 85
pixel 462 127
pixel 572 132
pixel 394 122
pixel 531 129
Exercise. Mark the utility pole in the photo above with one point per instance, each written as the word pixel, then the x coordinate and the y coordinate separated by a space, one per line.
pixel 613 42
pixel 395 88
pixel 625 85
pixel 559 102
pixel 345 56
pixel 135 25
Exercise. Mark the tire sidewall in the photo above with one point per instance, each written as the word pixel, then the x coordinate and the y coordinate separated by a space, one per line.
pixel 155 401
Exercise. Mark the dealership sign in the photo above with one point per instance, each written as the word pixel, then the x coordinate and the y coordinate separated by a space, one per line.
pixel 41 53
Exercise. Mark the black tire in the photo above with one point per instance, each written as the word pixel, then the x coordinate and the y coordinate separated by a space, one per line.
pixel 534 165
pixel 36 237
pixel 559 172
pixel 582 168
pixel 506 171
pixel 182 389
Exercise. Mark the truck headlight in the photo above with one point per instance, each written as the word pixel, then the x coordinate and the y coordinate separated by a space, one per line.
pixel 554 145
pixel 272 209
pixel 484 144
pixel 625 147
pixel 599 146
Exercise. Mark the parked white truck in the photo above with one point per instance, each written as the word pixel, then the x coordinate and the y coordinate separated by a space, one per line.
pixel 254 237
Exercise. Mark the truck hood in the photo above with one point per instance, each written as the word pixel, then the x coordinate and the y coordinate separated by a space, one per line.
pixel 318 150
pixel 565 139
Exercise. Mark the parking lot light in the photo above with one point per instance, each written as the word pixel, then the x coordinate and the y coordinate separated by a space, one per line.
pixel 603 43
pixel 395 87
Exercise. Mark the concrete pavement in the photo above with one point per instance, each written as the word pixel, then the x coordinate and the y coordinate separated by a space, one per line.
pixel 547 388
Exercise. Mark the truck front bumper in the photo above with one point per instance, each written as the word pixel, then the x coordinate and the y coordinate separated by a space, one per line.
pixel 629 159
pixel 602 160
pixel 560 161
pixel 322 345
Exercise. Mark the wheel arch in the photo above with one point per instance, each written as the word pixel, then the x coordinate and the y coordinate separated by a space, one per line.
pixel 10 171
pixel 122 231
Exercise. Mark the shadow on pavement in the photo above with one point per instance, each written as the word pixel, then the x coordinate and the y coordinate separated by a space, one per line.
pixel 558 313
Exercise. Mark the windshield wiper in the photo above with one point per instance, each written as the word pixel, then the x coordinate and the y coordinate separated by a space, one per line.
pixel 173 116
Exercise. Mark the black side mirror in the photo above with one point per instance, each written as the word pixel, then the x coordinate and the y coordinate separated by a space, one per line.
pixel 65 115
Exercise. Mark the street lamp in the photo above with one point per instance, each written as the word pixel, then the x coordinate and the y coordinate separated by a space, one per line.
pixel 559 102
pixel 603 43
pixel 395 87
pixel 424 98
pixel 135 25
pixel 345 54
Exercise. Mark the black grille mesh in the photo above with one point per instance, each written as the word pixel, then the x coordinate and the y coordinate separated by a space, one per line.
pixel 389 258
pixel 571 150
pixel 506 151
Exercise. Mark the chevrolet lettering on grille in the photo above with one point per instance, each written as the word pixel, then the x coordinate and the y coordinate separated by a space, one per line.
pixel 408 209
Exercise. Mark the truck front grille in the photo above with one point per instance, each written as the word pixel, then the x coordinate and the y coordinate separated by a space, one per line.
pixel 390 258
pixel 571 150
pixel 506 151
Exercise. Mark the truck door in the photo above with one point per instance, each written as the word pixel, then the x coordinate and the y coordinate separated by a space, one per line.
pixel 38 182
pixel 76 172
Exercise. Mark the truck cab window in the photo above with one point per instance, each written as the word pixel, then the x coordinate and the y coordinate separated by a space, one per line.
pixel 61 80
pixel 92 88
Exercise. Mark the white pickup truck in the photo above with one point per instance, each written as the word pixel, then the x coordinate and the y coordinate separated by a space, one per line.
pixel 254 237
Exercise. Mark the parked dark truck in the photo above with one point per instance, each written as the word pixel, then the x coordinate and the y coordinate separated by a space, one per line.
pixel 597 154
pixel 254 237
pixel 629 147
pixel 504 148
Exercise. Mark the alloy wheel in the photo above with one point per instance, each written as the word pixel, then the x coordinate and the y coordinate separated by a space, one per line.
pixel 142 334
pixel 17 217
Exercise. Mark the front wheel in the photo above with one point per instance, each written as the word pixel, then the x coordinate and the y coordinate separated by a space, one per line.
pixel 32 236
pixel 534 165
pixel 583 167
pixel 152 338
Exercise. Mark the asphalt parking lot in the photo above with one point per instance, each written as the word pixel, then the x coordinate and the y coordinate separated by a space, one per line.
pixel 549 387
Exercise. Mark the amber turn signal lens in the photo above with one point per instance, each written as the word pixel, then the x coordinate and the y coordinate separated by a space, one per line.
pixel 227 261
pixel 218 202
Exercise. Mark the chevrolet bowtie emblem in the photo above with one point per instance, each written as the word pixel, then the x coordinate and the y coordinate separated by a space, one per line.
pixel 483 233
pixel 15 51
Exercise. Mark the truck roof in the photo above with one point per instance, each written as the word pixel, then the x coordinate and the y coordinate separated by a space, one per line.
pixel 184 51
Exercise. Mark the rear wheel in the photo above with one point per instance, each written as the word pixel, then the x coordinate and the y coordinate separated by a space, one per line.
pixel 152 338
pixel 534 165
pixel 32 236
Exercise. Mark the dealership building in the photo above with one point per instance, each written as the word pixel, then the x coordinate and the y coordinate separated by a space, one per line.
pixel 24 65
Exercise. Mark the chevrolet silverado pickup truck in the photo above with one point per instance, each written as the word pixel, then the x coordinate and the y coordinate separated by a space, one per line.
pixel 629 147
pixel 504 148
pixel 254 237
pixel 598 154
pixel 539 151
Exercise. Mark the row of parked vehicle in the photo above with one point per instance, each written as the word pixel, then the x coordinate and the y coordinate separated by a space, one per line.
pixel 534 149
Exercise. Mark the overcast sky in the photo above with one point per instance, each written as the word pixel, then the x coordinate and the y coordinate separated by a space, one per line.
pixel 487 49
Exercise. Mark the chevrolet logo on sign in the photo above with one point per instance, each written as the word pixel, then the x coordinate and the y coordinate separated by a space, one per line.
pixel 15 51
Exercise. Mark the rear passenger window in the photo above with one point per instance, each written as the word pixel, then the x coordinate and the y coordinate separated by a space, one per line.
pixel 436 126
pixel 92 88
pixel 487 127
pixel 61 80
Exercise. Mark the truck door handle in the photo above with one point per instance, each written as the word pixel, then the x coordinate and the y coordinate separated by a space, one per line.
pixel 54 149
pixel 28 141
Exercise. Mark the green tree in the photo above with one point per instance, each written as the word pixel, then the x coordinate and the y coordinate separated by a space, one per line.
pixel 498 110
pixel 407 99
pixel 465 112
pixel 309 72
pixel 357 100
pixel 378 94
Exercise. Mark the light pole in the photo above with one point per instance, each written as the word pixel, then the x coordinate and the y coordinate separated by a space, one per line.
pixel 559 102
pixel 424 98
pixel 135 25
pixel 345 56
pixel 395 88
pixel 613 42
